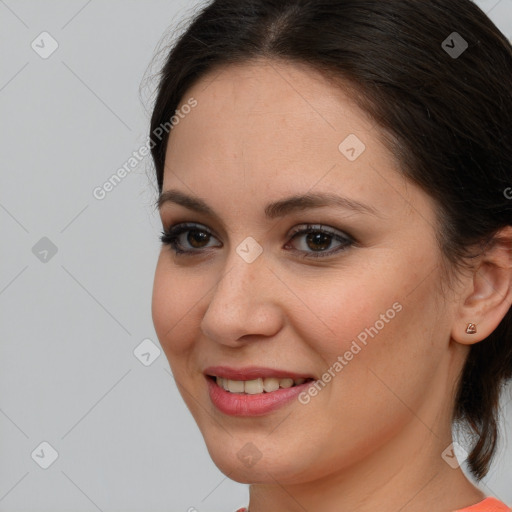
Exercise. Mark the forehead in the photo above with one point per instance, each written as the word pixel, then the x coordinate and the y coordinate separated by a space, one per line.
pixel 265 129
pixel 268 92
pixel 266 112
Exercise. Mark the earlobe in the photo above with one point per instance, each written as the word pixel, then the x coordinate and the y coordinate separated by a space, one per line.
pixel 489 292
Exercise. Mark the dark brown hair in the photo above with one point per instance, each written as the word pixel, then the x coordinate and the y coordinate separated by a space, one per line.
pixel 447 118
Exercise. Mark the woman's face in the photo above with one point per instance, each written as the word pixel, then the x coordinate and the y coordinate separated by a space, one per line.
pixel 355 299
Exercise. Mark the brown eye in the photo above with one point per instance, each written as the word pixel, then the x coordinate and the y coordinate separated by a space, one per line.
pixel 187 238
pixel 197 238
pixel 318 241
pixel 314 241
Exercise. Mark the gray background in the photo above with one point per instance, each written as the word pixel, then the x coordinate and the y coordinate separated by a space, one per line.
pixel 71 321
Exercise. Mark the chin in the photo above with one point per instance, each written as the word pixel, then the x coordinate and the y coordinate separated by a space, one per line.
pixel 242 462
pixel 246 475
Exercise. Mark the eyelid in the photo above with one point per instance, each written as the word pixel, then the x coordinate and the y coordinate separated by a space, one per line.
pixel 170 235
pixel 296 229
pixel 175 230
pixel 321 227
pixel 345 240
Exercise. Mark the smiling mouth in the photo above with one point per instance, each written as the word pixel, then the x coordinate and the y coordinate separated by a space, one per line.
pixel 257 386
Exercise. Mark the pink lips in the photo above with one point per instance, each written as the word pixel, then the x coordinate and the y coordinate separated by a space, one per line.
pixel 235 404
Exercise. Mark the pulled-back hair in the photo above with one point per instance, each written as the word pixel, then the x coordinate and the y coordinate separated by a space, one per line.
pixel 444 115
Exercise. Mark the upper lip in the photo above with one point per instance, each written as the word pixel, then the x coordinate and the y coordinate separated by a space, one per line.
pixel 252 373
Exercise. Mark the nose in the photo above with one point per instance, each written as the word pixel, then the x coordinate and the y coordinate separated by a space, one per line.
pixel 244 304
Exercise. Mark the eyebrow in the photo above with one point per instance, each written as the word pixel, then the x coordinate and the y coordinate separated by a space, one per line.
pixel 272 210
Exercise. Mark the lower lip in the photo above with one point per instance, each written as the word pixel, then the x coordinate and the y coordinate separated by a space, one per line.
pixel 236 404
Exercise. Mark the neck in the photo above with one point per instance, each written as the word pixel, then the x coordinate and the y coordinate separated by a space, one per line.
pixel 407 474
pixel 411 482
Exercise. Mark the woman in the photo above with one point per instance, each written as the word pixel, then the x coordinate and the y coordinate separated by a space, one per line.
pixel 333 292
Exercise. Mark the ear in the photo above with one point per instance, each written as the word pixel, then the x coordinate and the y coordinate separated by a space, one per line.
pixel 487 296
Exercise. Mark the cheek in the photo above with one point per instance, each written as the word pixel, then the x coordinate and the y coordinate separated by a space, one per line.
pixel 174 307
pixel 339 308
pixel 383 319
pixel 390 348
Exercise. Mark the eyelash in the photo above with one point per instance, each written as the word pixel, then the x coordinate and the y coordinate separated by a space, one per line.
pixel 170 237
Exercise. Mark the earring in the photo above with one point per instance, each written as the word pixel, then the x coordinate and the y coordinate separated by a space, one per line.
pixel 471 329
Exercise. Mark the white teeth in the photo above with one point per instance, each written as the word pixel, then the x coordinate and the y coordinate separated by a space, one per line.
pixel 256 386
pixel 270 384
pixel 286 383
pixel 235 386
pixel 253 387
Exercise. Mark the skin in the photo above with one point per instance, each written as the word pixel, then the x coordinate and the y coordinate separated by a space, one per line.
pixel 372 439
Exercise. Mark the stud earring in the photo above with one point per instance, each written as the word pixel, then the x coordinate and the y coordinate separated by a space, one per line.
pixel 471 329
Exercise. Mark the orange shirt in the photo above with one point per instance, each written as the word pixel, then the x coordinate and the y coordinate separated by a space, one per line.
pixel 488 504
